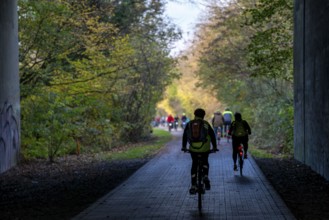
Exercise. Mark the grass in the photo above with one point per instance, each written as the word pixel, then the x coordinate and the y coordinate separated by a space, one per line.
pixel 260 153
pixel 263 153
pixel 142 150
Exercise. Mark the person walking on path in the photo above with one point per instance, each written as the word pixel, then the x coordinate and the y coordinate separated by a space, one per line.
pixel 228 118
pixel 217 123
pixel 240 130
pixel 200 135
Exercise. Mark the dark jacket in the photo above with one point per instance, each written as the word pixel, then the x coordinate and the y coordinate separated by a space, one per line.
pixel 245 125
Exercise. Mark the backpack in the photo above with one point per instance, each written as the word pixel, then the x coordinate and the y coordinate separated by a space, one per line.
pixel 197 131
pixel 239 129
pixel 218 120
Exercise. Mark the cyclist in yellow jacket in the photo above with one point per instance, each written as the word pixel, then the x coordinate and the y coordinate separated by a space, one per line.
pixel 199 148
pixel 228 118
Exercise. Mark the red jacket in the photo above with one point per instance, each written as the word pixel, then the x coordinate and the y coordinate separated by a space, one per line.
pixel 170 119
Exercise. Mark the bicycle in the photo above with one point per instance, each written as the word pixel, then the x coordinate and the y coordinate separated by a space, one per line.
pixel 200 183
pixel 241 158
pixel 170 126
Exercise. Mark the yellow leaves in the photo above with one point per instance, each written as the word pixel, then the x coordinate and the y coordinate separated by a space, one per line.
pixel 164 104
pixel 185 90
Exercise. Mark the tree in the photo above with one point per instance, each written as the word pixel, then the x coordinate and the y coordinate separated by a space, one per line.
pixel 98 64
pixel 248 49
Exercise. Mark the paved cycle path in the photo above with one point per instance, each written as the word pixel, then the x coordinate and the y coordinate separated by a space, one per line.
pixel 159 190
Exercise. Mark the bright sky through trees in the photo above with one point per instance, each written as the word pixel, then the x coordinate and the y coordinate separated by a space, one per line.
pixel 185 15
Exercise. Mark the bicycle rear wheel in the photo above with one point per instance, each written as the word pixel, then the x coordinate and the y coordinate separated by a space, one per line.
pixel 199 200
pixel 241 164
pixel 200 187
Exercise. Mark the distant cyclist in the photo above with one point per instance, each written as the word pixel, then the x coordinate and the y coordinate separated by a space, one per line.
pixel 184 120
pixel 217 122
pixel 239 130
pixel 228 118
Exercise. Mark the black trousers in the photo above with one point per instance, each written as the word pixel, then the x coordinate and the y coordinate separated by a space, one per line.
pixel 236 141
pixel 205 165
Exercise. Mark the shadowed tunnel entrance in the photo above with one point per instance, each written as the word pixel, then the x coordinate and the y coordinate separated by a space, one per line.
pixel 311 49
pixel 311 91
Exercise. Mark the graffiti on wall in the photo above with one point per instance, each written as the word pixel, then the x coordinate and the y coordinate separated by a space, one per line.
pixel 9 137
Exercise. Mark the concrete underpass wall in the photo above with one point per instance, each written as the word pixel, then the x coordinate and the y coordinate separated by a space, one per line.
pixel 9 86
pixel 311 85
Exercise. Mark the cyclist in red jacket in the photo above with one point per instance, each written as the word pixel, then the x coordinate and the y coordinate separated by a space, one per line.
pixel 170 119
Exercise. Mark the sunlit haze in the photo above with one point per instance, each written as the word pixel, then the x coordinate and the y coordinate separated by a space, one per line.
pixel 185 16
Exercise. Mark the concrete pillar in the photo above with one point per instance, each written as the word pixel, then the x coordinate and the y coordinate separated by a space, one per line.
pixel 9 86
pixel 311 84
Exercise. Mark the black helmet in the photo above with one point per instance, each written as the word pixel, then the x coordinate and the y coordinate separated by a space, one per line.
pixel 238 116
